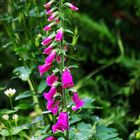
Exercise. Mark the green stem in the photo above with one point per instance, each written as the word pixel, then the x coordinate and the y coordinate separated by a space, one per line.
pixel 35 99
pixel 38 101
pixel 64 100
pixel 11 103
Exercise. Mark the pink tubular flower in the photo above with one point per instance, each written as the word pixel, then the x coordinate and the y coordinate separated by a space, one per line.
pixel 49 96
pixel 53 106
pixel 72 7
pixel 50 57
pixel 48 4
pixel 46 41
pixel 67 80
pixel 51 138
pixel 48 50
pixel 51 17
pixel 78 102
pixel 62 123
pixel 59 35
pixel 47 28
pixel 51 79
pixel 44 68
pixel 50 11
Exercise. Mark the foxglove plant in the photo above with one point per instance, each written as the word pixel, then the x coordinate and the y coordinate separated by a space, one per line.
pixel 60 80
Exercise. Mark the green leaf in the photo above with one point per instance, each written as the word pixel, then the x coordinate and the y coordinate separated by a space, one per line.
pixel 41 86
pixel 68 31
pixel 24 106
pixel 104 133
pixel 16 130
pixel 25 94
pixel 22 72
pixel 89 103
pixel 7 111
pixel 4 132
pixel 82 132
pixel 74 119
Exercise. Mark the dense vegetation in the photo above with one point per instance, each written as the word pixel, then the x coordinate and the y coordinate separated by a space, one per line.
pixel 105 47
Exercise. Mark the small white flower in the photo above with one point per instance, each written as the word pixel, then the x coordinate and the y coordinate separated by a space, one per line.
pixel 10 92
pixel 5 117
pixel 15 117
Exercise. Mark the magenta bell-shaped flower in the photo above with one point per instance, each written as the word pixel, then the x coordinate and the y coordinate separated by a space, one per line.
pixel 78 102
pixel 50 80
pixel 72 7
pixel 51 138
pixel 51 17
pixel 48 50
pixel 50 57
pixel 62 123
pixel 47 28
pixel 59 35
pixel 49 96
pixel 48 4
pixel 49 12
pixel 53 106
pixel 44 68
pixel 67 80
pixel 46 41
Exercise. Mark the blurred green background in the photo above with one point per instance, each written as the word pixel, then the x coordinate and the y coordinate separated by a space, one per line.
pixel 107 53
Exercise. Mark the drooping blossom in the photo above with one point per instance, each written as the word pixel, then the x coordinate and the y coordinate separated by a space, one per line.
pixel 48 4
pixel 47 28
pixel 51 17
pixel 50 11
pixel 48 50
pixel 72 7
pixel 53 106
pixel 59 35
pixel 62 123
pixel 50 57
pixel 67 80
pixel 46 41
pixel 51 138
pixel 44 68
pixel 78 102
pixel 49 96
pixel 50 80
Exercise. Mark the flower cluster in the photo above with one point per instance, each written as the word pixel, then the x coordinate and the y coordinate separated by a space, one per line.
pixel 60 79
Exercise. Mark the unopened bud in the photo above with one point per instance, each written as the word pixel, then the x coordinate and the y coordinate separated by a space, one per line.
pixel 5 117
pixel 15 117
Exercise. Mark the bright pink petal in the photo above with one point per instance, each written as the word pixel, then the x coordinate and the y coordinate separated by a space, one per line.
pixel 62 123
pixel 50 57
pixel 51 138
pixel 46 41
pixel 67 80
pixel 44 68
pixel 53 106
pixel 50 80
pixel 78 102
pixel 49 96
pixel 59 35
pixel 48 50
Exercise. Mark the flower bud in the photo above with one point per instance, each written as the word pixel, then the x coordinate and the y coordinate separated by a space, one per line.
pixel 5 117
pixel 15 117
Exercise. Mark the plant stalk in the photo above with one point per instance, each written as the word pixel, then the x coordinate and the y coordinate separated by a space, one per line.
pixel 64 100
